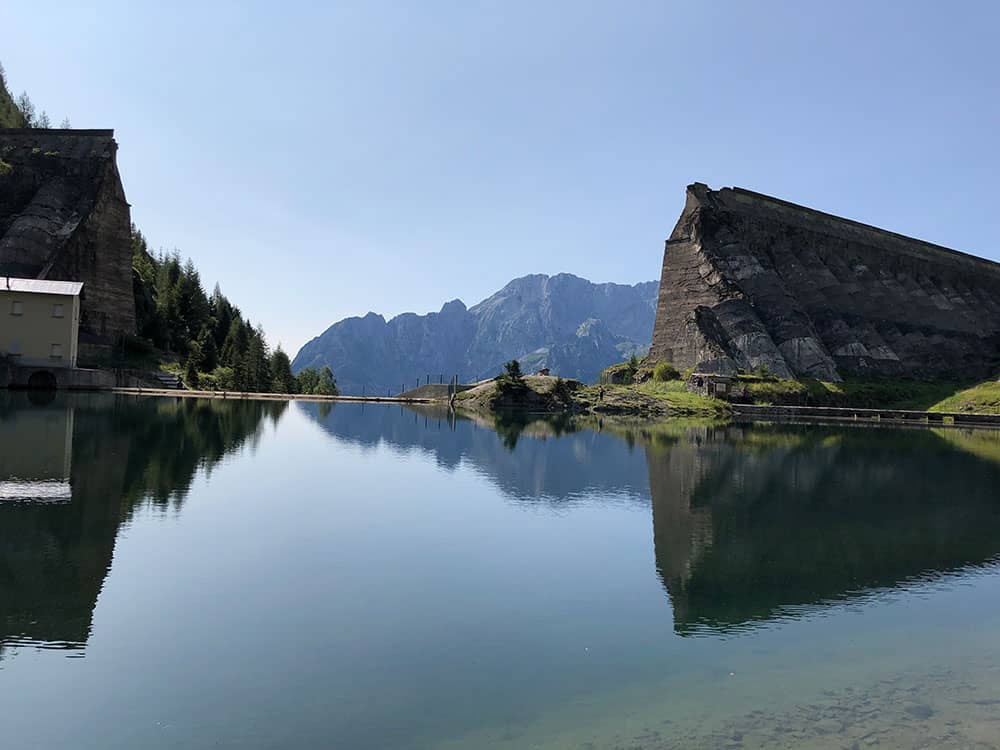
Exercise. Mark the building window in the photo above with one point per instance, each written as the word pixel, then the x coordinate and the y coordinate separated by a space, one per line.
pixel 16 307
pixel 58 310
pixel 56 352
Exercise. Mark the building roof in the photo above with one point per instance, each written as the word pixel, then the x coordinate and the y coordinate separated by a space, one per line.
pixel 40 286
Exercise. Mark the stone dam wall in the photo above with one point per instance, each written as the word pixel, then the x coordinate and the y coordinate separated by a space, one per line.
pixel 751 281
pixel 63 216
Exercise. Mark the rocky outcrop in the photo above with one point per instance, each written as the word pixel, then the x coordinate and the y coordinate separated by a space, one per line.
pixel 568 324
pixel 754 282
pixel 63 216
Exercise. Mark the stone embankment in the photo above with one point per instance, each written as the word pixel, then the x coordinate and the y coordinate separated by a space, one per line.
pixel 845 414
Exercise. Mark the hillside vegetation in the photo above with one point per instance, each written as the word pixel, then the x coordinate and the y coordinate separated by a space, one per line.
pixel 983 398
pixel 214 346
pixel 537 394
pixel 10 115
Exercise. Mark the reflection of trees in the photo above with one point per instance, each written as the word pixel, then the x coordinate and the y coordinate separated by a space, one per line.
pixel 749 520
pixel 54 557
pixel 511 425
pixel 171 439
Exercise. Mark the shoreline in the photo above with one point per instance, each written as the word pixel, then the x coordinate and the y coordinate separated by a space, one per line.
pixel 741 412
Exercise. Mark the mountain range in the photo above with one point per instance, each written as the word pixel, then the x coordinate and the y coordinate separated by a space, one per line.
pixel 568 324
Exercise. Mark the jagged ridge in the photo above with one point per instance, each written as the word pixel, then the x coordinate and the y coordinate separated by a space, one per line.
pixel 564 322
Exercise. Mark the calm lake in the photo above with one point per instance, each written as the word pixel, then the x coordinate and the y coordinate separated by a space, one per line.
pixel 208 574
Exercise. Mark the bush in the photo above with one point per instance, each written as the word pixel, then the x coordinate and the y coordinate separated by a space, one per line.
pixel 665 371
pixel 562 392
pixel 220 379
pixel 513 370
pixel 511 382
pixel 620 374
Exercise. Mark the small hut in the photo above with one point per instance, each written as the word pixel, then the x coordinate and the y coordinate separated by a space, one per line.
pixel 714 385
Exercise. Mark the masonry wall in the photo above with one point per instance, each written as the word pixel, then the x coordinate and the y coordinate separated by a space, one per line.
pixel 64 216
pixel 750 281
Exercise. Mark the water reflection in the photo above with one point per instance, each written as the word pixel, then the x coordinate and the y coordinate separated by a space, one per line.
pixel 530 460
pixel 71 472
pixel 750 522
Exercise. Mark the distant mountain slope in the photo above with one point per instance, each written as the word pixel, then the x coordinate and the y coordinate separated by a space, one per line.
pixel 569 324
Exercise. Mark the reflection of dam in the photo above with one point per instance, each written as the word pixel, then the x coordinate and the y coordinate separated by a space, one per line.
pixel 70 473
pixel 750 520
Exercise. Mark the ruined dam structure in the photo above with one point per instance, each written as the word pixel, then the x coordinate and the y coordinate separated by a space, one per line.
pixel 754 282
pixel 63 216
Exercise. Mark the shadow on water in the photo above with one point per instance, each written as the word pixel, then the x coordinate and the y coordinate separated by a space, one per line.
pixel 72 470
pixel 750 522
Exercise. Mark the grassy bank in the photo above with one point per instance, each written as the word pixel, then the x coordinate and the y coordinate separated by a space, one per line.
pixel 983 398
pixel 670 398
pixel 542 394
pixel 889 394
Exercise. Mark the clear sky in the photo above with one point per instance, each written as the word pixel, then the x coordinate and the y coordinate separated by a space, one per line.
pixel 324 159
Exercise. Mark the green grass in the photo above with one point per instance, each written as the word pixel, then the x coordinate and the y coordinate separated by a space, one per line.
pixel 883 394
pixel 983 398
pixel 654 396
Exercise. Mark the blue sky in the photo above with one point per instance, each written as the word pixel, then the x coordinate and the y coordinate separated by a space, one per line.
pixel 325 159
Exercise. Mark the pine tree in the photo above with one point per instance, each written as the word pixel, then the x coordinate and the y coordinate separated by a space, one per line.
pixel 191 374
pixel 282 380
pixel 306 381
pixel 209 354
pixel 235 345
pixel 257 365
pixel 327 385
pixel 27 109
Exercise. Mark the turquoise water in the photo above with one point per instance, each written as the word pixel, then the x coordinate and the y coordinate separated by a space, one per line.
pixel 186 574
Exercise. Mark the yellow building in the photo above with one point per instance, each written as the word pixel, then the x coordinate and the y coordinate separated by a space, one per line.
pixel 39 321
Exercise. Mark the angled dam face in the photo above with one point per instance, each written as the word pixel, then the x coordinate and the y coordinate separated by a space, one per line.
pixel 64 217
pixel 751 281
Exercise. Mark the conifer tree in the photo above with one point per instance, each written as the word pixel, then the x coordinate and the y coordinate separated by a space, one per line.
pixel 282 380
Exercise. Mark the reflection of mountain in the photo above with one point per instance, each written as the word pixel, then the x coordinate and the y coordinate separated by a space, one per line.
pixel 749 520
pixel 110 453
pixel 524 461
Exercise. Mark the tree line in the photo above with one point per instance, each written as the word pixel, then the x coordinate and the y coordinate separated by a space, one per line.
pixel 218 348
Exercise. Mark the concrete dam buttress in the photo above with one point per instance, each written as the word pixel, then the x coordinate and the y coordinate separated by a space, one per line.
pixel 64 217
pixel 751 281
